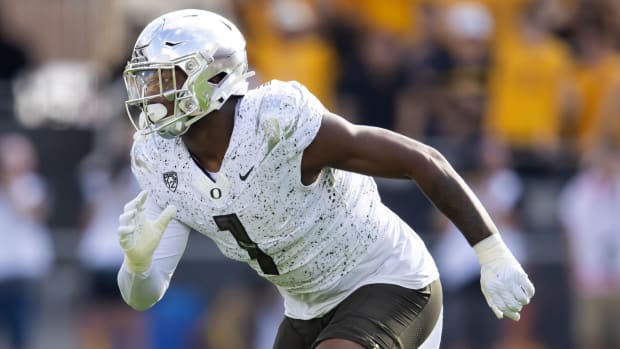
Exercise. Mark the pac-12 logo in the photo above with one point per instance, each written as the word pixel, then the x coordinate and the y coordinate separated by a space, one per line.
pixel 171 180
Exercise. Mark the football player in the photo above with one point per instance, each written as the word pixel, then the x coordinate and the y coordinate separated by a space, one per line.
pixel 281 183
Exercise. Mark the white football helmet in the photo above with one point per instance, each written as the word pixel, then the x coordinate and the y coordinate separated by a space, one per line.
pixel 184 65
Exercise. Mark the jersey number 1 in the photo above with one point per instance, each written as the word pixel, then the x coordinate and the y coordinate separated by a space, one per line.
pixel 232 223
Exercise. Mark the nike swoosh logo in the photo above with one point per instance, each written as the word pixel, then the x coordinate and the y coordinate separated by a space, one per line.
pixel 244 177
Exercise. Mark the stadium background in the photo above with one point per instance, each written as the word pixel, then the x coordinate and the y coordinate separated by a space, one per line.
pixel 523 96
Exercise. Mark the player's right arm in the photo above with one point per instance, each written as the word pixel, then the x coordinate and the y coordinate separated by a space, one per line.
pixel 153 243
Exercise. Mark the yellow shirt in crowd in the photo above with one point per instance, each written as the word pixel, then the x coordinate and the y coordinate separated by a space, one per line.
pixel 597 86
pixel 527 80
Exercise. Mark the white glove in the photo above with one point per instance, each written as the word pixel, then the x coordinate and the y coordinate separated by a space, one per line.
pixel 139 236
pixel 504 284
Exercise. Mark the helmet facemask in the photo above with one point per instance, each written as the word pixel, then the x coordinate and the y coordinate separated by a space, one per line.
pixel 154 102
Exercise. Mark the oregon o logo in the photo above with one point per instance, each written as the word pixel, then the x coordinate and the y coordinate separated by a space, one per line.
pixel 216 193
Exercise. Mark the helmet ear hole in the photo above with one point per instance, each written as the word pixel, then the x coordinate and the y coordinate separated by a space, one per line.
pixel 217 78
pixel 180 76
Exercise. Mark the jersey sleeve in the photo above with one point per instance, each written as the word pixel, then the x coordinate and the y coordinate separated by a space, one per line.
pixel 290 116
pixel 141 291
pixel 141 163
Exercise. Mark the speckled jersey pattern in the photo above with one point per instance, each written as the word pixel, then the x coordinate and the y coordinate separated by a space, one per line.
pixel 324 238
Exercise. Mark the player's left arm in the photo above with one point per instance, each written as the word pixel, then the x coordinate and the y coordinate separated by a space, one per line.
pixel 383 153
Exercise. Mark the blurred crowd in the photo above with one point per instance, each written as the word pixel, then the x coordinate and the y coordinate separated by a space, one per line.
pixel 522 96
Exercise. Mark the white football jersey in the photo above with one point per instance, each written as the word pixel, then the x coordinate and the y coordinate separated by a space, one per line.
pixel 316 243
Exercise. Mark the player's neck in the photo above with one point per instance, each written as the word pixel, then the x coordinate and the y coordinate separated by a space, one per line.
pixel 208 138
